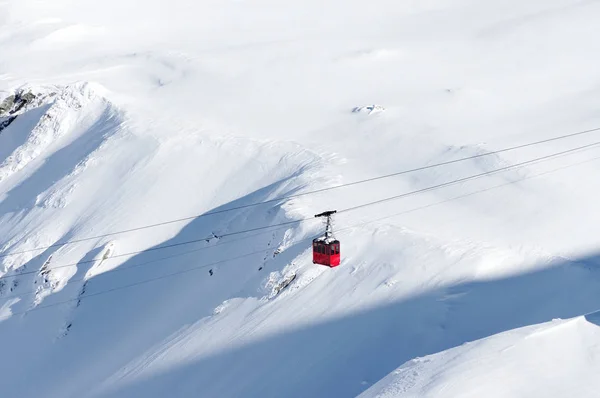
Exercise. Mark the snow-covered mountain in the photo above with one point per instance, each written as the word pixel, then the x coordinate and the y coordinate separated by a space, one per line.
pixel 139 140
pixel 554 359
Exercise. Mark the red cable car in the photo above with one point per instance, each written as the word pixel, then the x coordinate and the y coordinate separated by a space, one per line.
pixel 326 249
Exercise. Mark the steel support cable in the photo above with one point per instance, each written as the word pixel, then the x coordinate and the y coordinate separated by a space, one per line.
pixel 470 194
pixel 268 227
pixel 286 197
pixel 469 178
pixel 141 264
pixel 300 241
pixel 102 292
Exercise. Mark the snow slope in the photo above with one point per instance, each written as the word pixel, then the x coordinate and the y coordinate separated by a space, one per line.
pixel 554 359
pixel 148 112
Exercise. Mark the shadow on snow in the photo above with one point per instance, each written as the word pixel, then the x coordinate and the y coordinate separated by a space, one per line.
pixel 342 357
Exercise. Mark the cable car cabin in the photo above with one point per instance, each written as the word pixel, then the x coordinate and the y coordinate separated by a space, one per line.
pixel 326 253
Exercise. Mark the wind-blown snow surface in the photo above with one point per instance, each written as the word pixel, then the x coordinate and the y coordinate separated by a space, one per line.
pixel 555 359
pixel 146 112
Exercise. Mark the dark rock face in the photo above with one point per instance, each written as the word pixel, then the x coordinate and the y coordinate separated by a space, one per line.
pixel 7 105
pixel 28 97
pixel 21 99
pixel 13 104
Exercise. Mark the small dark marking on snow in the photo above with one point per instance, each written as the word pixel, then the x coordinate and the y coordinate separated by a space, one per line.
pixel 44 271
pixel 67 329
pixel 214 236
pixel 369 109
pixel 283 284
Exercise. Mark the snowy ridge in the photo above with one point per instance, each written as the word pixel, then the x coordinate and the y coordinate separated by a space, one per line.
pixel 65 121
pixel 58 120
pixel 554 359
